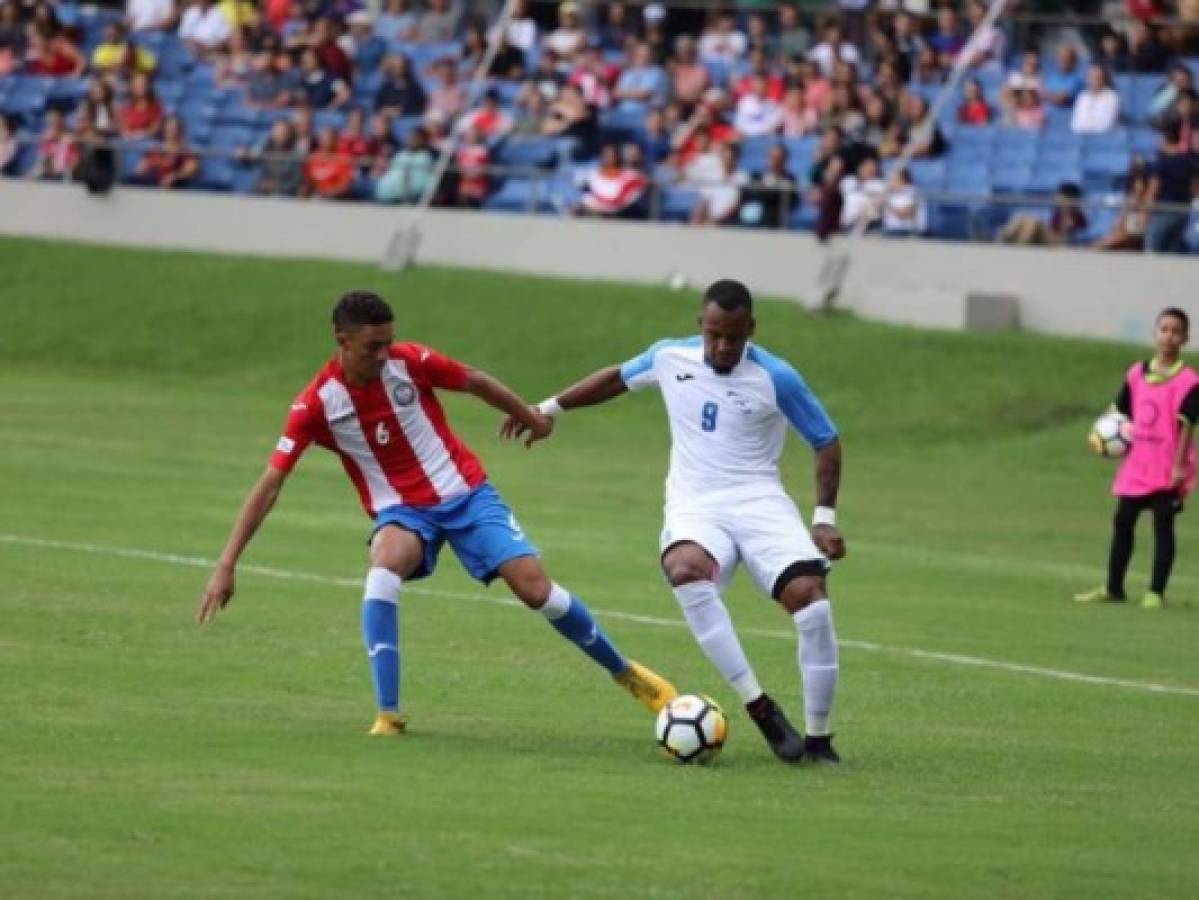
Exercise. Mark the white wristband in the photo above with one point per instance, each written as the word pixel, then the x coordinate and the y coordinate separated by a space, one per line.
pixel 550 407
pixel 824 515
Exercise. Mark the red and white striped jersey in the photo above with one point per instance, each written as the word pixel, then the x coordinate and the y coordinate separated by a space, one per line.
pixel 391 435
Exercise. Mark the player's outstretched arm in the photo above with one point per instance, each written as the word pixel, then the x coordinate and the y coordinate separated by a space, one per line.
pixel 598 387
pixel 521 417
pixel 825 533
pixel 222 584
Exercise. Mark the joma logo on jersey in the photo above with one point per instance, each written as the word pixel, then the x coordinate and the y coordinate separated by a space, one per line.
pixel 403 393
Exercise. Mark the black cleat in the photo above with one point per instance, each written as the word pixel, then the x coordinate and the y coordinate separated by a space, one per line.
pixel 783 739
pixel 819 748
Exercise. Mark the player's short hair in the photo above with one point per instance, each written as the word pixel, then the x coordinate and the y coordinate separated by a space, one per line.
pixel 729 295
pixel 358 308
pixel 1180 315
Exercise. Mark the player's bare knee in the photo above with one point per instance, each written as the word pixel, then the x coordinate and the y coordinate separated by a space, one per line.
pixel 799 590
pixel 528 581
pixel 396 550
pixel 686 564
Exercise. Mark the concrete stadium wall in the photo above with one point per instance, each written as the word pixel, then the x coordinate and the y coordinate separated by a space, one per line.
pixel 924 283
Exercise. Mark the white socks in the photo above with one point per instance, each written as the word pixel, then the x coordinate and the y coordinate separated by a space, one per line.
pixel 557 604
pixel 709 621
pixel 817 663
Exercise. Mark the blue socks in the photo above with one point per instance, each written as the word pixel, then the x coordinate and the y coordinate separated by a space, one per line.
pixel 573 620
pixel 381 635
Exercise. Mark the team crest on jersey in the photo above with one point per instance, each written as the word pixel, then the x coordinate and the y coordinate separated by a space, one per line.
pixel 740 401
pixel 404 393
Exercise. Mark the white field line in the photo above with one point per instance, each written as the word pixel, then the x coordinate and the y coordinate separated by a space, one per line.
pixel 958 659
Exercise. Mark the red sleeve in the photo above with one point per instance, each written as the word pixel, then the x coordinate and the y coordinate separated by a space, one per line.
pixel 298 433
pixel 434 369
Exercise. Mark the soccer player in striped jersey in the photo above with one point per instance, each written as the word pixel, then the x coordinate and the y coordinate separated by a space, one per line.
pixel 730 403
pixel 374 405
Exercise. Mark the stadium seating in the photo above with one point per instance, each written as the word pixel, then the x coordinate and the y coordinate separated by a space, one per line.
pixel 980 160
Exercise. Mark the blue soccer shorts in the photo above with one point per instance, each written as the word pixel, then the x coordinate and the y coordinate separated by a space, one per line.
pixel 479 526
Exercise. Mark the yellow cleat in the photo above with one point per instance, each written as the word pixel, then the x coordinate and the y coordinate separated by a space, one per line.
pixel 1099 595
pixel 388 723
pixel 1153 600
pixel 647 687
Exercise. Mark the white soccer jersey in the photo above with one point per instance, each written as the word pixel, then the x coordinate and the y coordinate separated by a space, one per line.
pixel 727 431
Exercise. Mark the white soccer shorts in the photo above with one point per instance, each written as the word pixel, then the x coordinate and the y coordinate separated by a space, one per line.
pixel 767 533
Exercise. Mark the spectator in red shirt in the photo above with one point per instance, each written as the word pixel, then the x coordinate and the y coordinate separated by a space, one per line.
pixel 353 141
pixel 760 67
pixel 141 117
pixel 333 58
pixel 489 120
pixel 974 109
pixel 57 152
pixel 472 159
pixel 614 188
pixel 52 53
pixel 593 77
pixel 328 173
pixel 172 165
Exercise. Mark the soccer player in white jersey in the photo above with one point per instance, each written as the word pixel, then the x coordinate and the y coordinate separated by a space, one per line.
pixel 729 403
pixel 374 404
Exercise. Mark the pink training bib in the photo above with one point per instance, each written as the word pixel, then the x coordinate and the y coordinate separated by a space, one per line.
pixel 1149 466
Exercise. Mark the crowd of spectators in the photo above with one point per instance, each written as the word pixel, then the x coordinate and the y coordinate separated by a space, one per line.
pixel 753 116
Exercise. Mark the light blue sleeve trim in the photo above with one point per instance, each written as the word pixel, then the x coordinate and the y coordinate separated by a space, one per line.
pixel 796 400
pixel 640 372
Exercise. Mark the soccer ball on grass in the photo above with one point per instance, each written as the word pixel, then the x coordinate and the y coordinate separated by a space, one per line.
pixel 692 728
pixel 1111 435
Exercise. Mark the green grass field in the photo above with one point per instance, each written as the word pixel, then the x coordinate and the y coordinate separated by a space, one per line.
pixel 143 757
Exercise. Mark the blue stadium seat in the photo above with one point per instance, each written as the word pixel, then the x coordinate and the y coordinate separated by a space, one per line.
pixel 170 92
pixel 1114 139
pixel 528 152
pixel 402 126
pixel 519 195
pixel 1061 141
pixel 677 204
pixel 564 190
pixel 1058 118
pixel 927 173
pixel 623 117
pixel 1047 179
pixel 1011 179
pixel 202 76
pixel 245 179
pixel 967 171
pixel 231 137
pixel 754 151
pixel 804 218
pixel 65 93
pixel 237 113
pixel 718 71
pixel 1058 155
pixel 1017 138
pixel 130 156
pixel 329 118
pixel 216 174
pixel 1146 141
pixel 950 221
pixel 1191 237
pixel 976 138
pixel 1015 154
pixel 26 156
